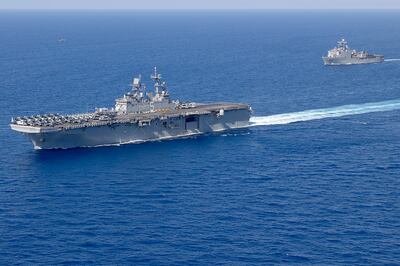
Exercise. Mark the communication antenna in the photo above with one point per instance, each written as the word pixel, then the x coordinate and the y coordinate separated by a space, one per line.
pixel 156 77
pixel 157 80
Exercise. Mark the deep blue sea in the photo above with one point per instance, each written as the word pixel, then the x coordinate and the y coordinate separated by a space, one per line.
pixel 317 187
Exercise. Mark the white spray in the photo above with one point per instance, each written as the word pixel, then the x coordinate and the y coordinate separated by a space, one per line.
pixel 344 110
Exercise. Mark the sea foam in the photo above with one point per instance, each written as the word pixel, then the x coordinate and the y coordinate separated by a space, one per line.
pixel 314 114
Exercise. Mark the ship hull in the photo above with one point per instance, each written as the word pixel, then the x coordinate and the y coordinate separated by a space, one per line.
pixel 352 61
pixel 124 133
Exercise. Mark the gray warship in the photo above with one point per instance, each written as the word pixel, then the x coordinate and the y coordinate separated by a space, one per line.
pixel 343 55
pixel 137 117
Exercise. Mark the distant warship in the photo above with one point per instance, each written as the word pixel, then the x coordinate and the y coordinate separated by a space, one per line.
pixel 343 55
pixel 137 117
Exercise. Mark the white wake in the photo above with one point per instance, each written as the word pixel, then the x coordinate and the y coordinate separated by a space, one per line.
pixel 339 111
pixel 392 59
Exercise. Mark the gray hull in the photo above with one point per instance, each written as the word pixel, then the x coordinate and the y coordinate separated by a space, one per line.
pixel 123 133
pixel 138 116
pixel 352 61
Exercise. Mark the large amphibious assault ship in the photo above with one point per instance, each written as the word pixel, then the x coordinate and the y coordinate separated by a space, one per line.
pixel 138 116
pixel 343 55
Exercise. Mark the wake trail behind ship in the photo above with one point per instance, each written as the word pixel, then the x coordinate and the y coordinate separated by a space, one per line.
pixel 315 114
pixel 392 59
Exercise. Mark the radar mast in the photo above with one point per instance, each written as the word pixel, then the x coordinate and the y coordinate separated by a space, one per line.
pixel 137 83
pixel 158 83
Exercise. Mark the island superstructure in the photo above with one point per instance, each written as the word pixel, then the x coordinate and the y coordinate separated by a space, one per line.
pixel 343 55
pixel 138 116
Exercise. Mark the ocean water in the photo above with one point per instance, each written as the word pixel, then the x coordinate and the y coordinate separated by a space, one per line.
pixel 314 180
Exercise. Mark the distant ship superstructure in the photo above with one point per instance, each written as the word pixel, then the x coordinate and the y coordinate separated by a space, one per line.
pixel 343 55
pixel 137 117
